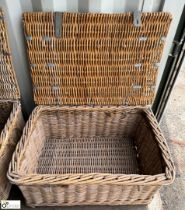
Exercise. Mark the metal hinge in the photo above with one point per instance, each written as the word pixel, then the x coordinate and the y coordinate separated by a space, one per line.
pixel 58 24
pixel 137 18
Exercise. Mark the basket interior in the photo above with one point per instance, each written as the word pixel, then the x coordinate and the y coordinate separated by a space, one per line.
pixel 92 141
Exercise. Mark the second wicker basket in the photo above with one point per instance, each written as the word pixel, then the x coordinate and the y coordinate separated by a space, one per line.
pixel 11 120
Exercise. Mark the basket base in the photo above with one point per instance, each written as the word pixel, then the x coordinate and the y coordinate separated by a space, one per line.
pixel 88 155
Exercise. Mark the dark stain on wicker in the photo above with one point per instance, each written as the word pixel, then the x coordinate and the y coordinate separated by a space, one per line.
pixel 5 110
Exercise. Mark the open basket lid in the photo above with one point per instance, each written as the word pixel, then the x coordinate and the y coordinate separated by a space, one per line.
pixel 8 84
pixel 94 59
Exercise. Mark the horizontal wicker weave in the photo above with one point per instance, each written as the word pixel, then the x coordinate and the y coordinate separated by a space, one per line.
pixel 8 84
pixel 91 156
pixel 11 120
pixel 100 59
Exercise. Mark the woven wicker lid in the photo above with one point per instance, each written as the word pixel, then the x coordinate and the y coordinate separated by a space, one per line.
pixel 8 84
pixel 98 59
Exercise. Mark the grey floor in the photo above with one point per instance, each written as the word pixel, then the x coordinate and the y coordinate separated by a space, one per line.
pixel 173 126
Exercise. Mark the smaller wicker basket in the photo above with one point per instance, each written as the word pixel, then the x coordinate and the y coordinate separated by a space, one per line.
pixel 11 120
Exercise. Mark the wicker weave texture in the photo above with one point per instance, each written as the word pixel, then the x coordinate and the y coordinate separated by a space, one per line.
pixel 99 59
pixel 91 155
pixel 8 83
pixel 11 120
pixel 97 154
pixel 88 194
pixel 11 126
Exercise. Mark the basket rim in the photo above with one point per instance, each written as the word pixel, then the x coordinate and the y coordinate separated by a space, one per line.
pixel 91 178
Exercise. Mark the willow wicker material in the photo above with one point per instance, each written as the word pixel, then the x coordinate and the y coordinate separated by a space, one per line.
pixel 11 120
pixel 91 156
pixel 11 126
pixel 100 59
pixel 8 83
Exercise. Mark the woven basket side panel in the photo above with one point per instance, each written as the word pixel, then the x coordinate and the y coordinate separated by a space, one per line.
pixel 100 58
pixel 8 83
pixel 150 158
pixel 34 148
pixel 88 194
pixel 8 139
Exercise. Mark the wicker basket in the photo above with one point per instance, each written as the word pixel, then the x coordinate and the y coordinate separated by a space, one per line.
pixel 92 155
pixel 11 120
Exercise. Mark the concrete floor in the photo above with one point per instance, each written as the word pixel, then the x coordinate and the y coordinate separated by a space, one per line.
pixel 172 124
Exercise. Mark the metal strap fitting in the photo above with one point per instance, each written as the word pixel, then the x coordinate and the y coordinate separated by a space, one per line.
pixel 57 101
pixel 137 18
pixel 138 65
pixel 46 38
pixel 156 65
pixel 152 87
pixel 137 86
pixel 143 38
pixel 28 38
pixel 55 88
pixel 125 102
pixel 58 24
pixel 50 64
pixel 163 38
pixel 35 88
pixel 91 103
pixel 33 65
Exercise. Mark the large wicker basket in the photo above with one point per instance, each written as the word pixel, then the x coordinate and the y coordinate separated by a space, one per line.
pixel 91 154
pixel 11 120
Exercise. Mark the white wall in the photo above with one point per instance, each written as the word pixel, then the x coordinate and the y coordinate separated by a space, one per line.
pixel 14 9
